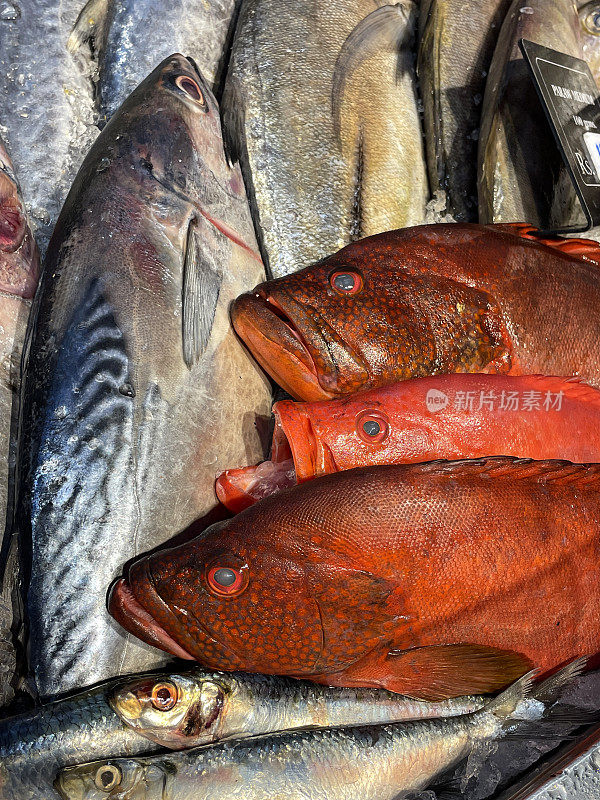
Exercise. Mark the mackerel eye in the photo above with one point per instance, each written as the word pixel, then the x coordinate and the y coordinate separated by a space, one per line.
pixel 346 282
pixel 164 696
pixel 372 427
pixel 226 579
pixel 108 777
pixel 590 18
pixel 191 88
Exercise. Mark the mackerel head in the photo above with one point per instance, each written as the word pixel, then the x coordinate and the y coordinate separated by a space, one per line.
pixel 136 390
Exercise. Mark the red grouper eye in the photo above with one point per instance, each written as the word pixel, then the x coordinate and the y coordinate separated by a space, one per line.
pixel 226 580
pixel 372 426
pixel 346 282
pixel 191 88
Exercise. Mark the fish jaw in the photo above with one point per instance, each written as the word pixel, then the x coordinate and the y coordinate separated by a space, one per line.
pixel 131 615
pixel 276 346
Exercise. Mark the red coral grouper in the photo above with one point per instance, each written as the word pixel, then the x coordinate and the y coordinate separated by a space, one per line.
pixel 445 416
pixel 432 580
pixel 428 300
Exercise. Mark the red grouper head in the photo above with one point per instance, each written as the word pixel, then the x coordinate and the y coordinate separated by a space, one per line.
pixel 234 600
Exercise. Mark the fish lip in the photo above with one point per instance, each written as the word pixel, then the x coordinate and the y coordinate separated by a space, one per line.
pixel 126 609
pixel 310 455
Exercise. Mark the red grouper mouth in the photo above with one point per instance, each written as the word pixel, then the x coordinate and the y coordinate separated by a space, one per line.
pixel 131 615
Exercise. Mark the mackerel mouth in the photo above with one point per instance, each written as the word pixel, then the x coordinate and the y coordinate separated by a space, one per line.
pixel 131 615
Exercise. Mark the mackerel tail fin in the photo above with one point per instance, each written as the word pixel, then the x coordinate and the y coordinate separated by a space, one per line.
pixel 506 705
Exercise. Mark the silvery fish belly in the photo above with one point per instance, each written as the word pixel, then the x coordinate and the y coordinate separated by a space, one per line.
pixel 46 110
pixel 136 391
pixel 456 47
pixel 320 106
pixel 123 40
pixel 19 272
pixel 521 176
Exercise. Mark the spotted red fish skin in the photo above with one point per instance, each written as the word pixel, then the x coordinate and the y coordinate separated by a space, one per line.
pixel 349 572
pixel 433 299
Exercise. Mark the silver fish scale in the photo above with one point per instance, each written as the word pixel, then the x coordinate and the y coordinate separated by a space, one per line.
pixel 34 746
pixel 46 109
pixel 71 572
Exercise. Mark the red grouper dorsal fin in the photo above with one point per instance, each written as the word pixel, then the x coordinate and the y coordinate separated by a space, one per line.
pixel 548 471
pixel 587 249
pixel 570 388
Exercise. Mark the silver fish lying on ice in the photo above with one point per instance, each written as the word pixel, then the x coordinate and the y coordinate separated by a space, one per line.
pixel 126 39
pixel 136 390
pixel 46 108
pixel 320 106
pixel 376 762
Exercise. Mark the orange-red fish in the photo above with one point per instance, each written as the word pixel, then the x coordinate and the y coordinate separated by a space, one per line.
pixel 446 416
pixel 429 300
pixel 431 580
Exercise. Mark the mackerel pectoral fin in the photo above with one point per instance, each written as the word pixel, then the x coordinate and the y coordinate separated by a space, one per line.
pixel 202 276
pixel 89 27
pixel 386 28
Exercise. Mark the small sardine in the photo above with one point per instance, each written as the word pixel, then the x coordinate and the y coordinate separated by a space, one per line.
pixel 377 762
pixel 180 710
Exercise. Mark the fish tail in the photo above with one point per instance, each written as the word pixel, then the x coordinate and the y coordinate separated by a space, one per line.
pixel 506 704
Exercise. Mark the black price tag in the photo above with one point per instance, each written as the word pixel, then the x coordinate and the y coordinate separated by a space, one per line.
pixel 569 96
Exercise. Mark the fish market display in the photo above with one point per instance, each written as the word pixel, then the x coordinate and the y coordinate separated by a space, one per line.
pixel 447 416
pixel 315 185
pixel 589 17
pixel 521 172
pixel 428 300
pixel 456 48
pixel 46 108
pixel 132 395
pixel 19 272
pixel 199 707
pixel 36 744
pixel 412 578
pixel 126 39
pixel 365 763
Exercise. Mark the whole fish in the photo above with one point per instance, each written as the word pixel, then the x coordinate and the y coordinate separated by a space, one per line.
pixel 46 105
pixel 36 744
pixel 521 175
pixel 124 40
pixel 198 707
pixel 431 580
pixel 378 762
pixel 132 383
pixel 19 272
pixel 331 150
pixel 589 18
pixel 428 300
pixel 456 48
pixel 447 416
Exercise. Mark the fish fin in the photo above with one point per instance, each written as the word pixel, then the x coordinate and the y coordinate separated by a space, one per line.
pixel 571 388
pixel 88 29
pixel 435 673
pixel 201 285
pixel 389 27
pixel 232 120
pixel 549 690
pixel 547 471
pixel 579 248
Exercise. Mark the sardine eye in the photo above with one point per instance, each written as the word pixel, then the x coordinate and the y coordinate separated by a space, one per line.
pixel 227 579
pixel 191 88
pixel 372 426
pixel 590 18
pixel 164 696
pixel 108 777
pixel 346 282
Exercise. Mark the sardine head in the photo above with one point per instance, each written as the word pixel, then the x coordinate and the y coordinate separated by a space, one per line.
pixel 175 711
pixel 117 779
